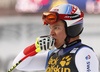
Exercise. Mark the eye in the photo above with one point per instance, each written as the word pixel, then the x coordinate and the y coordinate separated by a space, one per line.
pixel 56 27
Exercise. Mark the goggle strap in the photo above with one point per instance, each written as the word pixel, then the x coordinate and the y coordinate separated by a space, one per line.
pixel 82 14
pixel 66 17
pixel 63 16
pixel 45 23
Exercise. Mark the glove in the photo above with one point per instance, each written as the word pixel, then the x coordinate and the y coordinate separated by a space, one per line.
pixel 45 42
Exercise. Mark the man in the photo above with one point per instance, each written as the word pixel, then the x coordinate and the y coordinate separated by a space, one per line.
pixel 70 55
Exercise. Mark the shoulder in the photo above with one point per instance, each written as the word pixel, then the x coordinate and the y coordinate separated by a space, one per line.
pixel 81 47
pixel 85 54
pixel 85 50
pixel 85 57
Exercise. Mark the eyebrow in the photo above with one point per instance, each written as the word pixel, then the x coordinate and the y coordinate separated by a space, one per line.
pixel 54 26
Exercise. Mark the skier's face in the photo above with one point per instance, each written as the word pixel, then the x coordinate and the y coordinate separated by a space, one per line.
pixel 57 31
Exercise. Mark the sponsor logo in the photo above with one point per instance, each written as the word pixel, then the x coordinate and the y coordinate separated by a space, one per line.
pixel 55 65
pixel 88 66
pixel 71 16
pixel 55 9
pixel 88 57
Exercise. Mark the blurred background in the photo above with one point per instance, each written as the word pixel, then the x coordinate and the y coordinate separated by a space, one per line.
pixel 21 23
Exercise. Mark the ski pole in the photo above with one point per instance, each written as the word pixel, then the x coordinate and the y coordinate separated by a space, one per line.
pixel 32 53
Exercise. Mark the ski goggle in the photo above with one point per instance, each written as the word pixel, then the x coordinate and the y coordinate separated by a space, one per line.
pixel 53 17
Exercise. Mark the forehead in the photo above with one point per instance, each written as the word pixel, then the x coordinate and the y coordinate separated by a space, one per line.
pixel 59 23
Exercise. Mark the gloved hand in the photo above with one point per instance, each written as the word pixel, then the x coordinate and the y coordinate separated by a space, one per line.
pixel 45 42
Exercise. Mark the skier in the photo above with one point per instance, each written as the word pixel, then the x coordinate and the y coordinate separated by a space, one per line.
pixel 63 50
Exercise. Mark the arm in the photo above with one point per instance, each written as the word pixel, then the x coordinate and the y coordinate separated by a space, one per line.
pixel 86 60
pixel 36 62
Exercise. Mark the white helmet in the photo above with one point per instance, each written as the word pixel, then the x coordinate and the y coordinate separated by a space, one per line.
pixel 74 27
pixel 70 14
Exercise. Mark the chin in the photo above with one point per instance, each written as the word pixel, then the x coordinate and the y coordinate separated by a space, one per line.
pixel 57 46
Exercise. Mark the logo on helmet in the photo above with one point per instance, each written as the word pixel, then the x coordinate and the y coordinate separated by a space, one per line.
pixel 55 9
pixel 71 16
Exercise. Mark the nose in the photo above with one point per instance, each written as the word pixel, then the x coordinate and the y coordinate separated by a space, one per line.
pixel 52 33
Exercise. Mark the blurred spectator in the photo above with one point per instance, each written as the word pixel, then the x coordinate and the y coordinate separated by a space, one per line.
pixel 27 6
pixel 93 6
pixel 30 5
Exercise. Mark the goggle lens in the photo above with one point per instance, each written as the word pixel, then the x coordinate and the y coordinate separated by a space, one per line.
pixel 49 17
